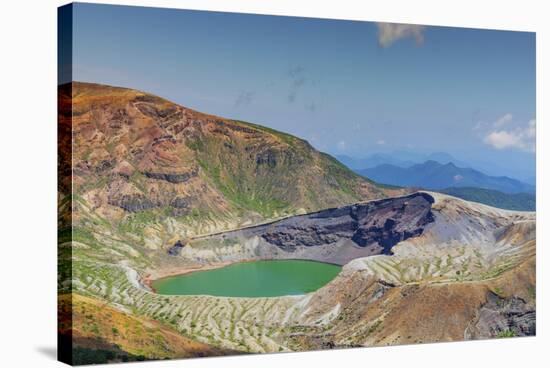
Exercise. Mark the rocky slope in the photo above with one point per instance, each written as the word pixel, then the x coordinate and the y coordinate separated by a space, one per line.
pixel 471 270
pixel 111 334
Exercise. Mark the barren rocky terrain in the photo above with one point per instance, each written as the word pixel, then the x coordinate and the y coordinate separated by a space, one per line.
pixel 476 278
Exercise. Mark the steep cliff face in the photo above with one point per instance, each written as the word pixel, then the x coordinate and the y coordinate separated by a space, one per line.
pixel 335 235
pixel 140 158
pixel 381 224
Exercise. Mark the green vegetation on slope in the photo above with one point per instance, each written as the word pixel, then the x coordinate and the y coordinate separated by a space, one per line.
pixel 288 138
pixel 270 172
pixel 494 198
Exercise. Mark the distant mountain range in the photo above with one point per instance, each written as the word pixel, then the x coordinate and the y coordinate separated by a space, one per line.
pixel 403 158
pixel 434 175
pixel 398 158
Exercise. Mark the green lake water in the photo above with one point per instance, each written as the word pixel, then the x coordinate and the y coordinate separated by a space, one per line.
pixel 252 279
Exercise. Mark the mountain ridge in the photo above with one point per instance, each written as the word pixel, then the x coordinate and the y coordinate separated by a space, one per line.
pixel 139 158
pixel 409 158
pixel 434 175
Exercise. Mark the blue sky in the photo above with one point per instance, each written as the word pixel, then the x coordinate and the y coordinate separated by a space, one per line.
pixel 348 87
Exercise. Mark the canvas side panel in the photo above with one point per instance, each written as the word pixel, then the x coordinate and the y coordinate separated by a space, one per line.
pixel 64 182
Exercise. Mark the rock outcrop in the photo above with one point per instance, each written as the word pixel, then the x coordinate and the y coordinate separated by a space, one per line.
pixel 173 178
pixel 377 225
pixel 133 203
pixel 503 317
pixel 175 249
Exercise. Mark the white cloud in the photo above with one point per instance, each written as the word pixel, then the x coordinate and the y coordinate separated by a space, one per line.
pixel 388 33
pixel 522 138
pixel 482 125
pixel 380 142
pixel 503 139
pixel 503 120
